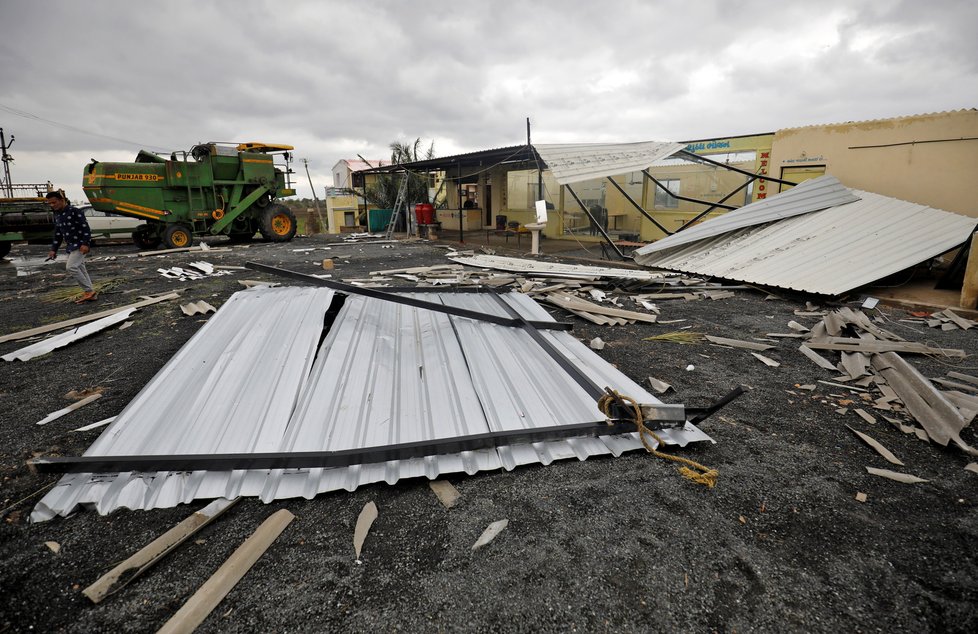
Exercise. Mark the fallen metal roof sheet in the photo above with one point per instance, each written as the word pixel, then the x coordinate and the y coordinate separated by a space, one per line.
pixel 251 380
pixel 554 269
pixel 575 162
pixel 827 252
pixel 812 195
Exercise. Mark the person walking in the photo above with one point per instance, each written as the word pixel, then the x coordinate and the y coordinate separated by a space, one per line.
pixel 71 227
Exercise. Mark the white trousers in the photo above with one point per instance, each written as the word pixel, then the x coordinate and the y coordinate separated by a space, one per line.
pixel 76 267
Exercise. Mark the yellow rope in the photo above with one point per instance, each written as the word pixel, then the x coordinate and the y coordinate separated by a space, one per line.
pixel 704 475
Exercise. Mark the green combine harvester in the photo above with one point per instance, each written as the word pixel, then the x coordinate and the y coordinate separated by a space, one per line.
pixel 215 189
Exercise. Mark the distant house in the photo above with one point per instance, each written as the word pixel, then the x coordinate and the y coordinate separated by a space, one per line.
pixel 344 168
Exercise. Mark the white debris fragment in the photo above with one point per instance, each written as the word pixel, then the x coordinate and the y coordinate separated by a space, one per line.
pixel 690 367
pixel 597 344
pixel 490 533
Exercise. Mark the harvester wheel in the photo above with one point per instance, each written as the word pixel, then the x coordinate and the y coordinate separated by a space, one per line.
pixel 178 236
pixel 277 223
pixel 144 239
pixel 4 249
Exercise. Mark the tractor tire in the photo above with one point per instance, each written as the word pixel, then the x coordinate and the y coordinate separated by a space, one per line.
pixel 178 236
pixel 4 249
pixel 144 239
pixel 277 223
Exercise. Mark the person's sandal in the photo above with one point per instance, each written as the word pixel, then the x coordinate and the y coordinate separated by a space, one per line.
pixel 88 296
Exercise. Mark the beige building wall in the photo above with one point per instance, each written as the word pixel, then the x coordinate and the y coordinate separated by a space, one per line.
pixel 929 159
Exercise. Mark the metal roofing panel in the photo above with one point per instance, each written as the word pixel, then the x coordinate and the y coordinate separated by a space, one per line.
pixel 828 252
pixel 575 162
pixel 811 195
pixel 384 373
pixel 555 269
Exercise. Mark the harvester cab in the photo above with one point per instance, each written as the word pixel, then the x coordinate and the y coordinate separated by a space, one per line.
pixel 228 189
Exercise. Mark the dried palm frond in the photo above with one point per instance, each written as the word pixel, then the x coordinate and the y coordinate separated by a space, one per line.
pixel 678 336
pixel 66 294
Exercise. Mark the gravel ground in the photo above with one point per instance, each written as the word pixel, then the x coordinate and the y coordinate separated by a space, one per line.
pixel 608 544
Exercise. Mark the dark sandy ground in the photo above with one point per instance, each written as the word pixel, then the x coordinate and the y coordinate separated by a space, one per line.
pixel 608 544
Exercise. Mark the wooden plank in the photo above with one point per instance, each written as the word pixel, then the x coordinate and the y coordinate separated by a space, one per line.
pixel 880 449
pixel 111 582
pixel 40 330
pixel 67 410
pixel 963 377
pixel 737 343
pixel 447 494
pixel 766 360
pixel 874 346
pixel 570 302
pixel 197 249
pixel 197 607
pixel 818 359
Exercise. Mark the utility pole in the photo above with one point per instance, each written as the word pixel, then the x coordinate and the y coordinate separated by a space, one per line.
pixel 319 213
pixel 539 171
pixel 6 185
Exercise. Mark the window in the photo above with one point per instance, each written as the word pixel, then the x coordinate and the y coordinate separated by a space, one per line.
pixel 662 199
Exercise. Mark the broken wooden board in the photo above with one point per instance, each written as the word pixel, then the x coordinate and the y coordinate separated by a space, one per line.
pixel 570 302
pixel 112 581
pixel 660 387
pixel 880 449
pixel 818 359
pixel 766 360
pixel 68 323
pixel 490 533
pixel 67 410
pixel 905 478
pixel 367 516
pixel 447 494
pixel 846 344
pixel 737 343
pixel 198 606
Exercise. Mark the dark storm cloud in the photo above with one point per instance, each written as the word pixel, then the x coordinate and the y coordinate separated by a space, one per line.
pixel 337 79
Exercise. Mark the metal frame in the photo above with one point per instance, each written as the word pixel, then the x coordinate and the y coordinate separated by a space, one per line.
pixel 407 301
pixel 596 223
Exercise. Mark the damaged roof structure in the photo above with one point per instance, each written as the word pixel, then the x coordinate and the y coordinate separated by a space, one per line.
pixel 259 377
pixel 819 237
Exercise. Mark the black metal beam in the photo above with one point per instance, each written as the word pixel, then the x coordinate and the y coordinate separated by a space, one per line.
pixel 332 459
pixel 350 289
pixel 686 198
pixel 689 222
pixel 596 223
pixel 639 207
pixel 689 156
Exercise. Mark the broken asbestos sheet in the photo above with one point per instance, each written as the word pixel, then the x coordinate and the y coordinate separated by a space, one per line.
pixel 260 377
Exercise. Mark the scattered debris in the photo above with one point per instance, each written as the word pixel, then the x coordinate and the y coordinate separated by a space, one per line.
pixel 766 360
pixel 660 387
pixel 328 264
pixel 880 449
pixel 367 516
pixel 861 497
pixel 59 341
pixel 447 494
pixel 196 271
pixel 490 533
pixel 736 343
pixel 682 337
pixel 905 478
pixel 67 410
pixel 197 308
pixel 96 425
pixel 40 330
pixel 138 563
pixel 972 467
pixel 55 547
pixel 209 595
pixel 597 344
pixel 199 248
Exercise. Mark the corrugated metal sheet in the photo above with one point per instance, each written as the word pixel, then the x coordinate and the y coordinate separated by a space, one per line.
pixel 385 373
pixel 812 195
pixel 575 162
pixel 554 269
pixel 828 252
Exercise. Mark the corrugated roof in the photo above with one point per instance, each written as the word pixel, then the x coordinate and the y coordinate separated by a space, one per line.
pixel 811 195
pixel 575 162
pixel 385 373
pixel 827 252
pixel 867 121
pixel 554 269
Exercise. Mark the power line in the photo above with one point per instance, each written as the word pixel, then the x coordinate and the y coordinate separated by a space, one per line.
pixel 65 126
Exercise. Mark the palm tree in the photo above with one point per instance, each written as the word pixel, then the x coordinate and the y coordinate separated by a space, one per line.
pixel 383 192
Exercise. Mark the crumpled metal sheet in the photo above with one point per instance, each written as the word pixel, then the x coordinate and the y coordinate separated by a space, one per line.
pixel 251 380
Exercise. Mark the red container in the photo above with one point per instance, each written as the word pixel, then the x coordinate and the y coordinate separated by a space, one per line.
pixel 425 213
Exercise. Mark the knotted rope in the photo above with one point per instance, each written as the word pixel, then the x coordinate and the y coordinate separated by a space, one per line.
pixel 693 470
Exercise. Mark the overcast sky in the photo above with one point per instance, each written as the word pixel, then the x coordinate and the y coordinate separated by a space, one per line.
pixel 102 79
